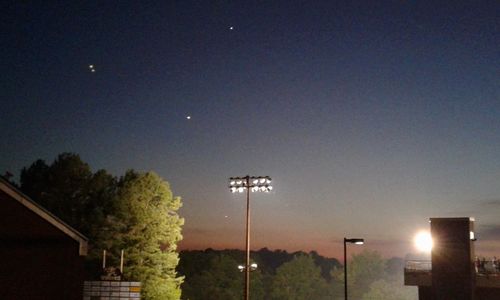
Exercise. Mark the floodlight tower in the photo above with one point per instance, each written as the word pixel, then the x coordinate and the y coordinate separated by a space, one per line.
pixel 249 184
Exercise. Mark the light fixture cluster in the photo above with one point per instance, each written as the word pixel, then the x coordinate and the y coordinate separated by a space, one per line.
pixel 253 267
pixel 254 183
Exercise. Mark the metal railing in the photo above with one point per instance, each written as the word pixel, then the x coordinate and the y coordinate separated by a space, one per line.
pixel 488 267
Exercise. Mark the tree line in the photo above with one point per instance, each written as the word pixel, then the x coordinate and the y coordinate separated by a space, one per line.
pixel 213 274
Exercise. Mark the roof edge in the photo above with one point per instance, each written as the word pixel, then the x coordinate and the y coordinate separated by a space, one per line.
pixel 16 194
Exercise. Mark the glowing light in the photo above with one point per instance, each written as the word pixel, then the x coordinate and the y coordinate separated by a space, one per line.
pixel 254 184
pixel 423 241
pixel 355 241
pixel 188 117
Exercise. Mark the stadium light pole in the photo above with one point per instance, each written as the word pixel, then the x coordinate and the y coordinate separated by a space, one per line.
pixel 249 184
pixel 355 241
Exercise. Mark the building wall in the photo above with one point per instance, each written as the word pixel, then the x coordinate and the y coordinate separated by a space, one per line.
pixel 38 260
pixel 488 294
pixel 453 275
pixel 425 293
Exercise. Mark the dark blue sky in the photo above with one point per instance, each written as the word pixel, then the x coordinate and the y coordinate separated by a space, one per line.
pixel 370 116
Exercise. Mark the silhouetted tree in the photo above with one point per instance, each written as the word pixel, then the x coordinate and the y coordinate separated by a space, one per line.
pixel 326 264
pixel 221 280
pixel 70 190
pixel 362 271
pixel 298 279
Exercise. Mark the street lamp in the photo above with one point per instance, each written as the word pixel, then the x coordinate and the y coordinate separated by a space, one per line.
pixel 355 241
pixel 249 184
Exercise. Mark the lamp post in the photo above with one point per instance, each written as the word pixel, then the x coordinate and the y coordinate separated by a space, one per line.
pixel 249 184
pixel 355 241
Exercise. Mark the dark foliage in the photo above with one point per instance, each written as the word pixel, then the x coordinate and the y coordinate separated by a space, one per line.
pixel 197 261
pixel 202 272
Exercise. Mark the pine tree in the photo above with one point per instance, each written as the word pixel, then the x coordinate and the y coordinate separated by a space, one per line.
pixel 147 227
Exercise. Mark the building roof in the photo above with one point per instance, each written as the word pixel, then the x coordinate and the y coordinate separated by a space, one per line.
pixel 17 195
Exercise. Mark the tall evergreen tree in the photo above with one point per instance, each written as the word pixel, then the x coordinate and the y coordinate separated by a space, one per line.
pixel 145 224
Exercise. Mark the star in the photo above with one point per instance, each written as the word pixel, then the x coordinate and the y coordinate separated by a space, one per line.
pixel 188 117
pixel 231 28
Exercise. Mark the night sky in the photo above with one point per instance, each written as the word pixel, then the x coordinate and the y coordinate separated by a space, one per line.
pixel 370 116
